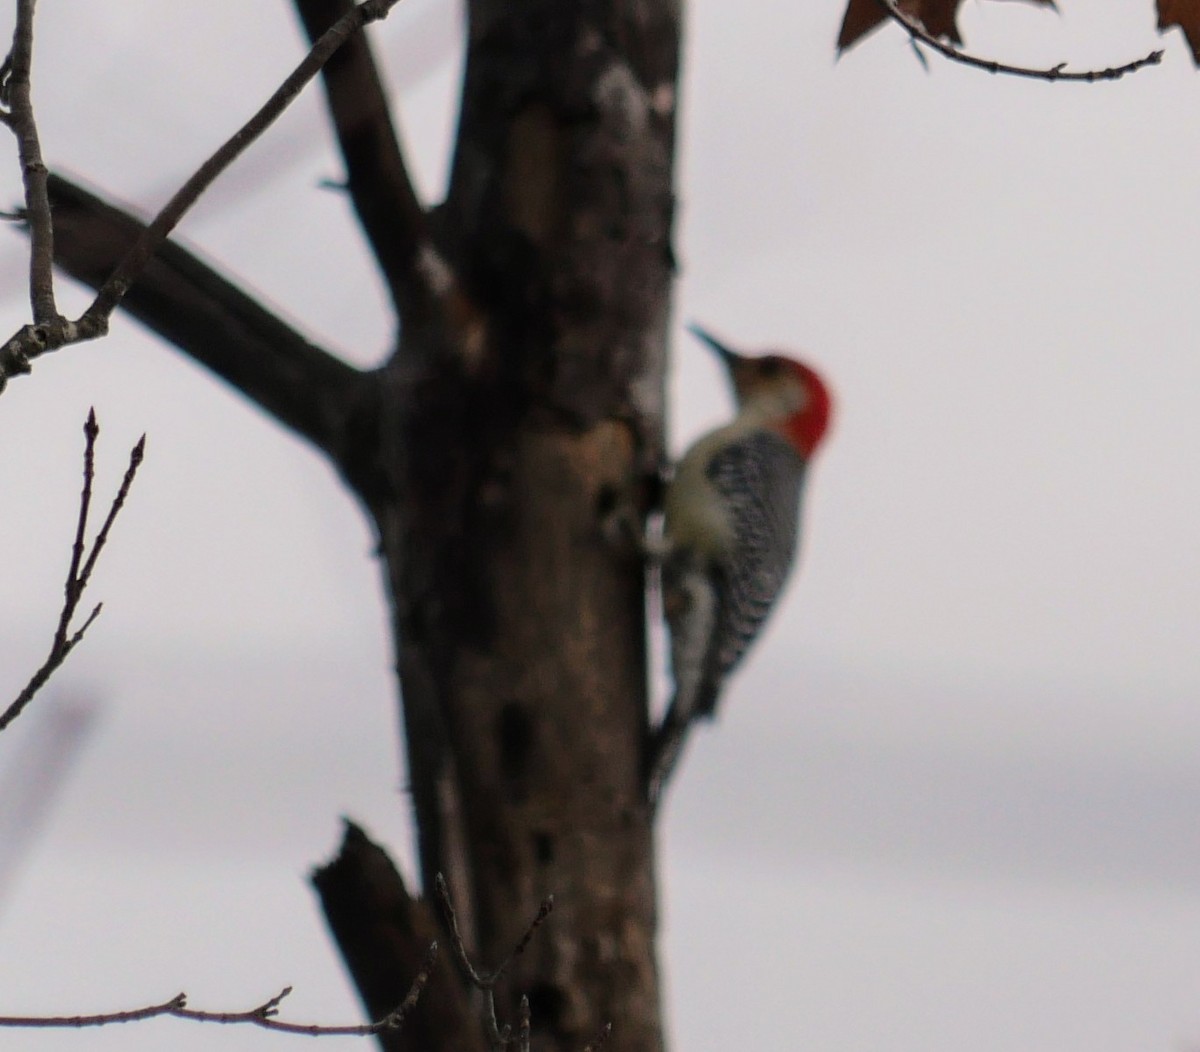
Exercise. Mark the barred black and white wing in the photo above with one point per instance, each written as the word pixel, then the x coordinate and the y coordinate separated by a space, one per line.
pixel 761 479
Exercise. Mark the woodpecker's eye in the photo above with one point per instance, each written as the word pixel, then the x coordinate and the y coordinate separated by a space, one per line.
pixel 771 367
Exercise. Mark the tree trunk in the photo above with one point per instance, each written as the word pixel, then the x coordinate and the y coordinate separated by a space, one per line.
pixel 520 630
pixel 522 407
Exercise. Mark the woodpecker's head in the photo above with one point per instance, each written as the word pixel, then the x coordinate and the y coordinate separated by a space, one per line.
pixel 783 393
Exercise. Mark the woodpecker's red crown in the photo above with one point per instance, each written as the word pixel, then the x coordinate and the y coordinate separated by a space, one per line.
pixel 800 405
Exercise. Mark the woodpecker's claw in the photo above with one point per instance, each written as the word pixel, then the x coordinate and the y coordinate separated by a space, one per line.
pixel 621 528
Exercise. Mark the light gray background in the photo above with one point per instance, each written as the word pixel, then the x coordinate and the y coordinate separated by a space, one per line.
pixel 951 802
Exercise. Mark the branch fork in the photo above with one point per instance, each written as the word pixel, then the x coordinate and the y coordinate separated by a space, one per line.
pixel 49 330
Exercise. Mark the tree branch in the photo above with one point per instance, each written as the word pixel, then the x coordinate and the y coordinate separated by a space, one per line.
pixel 156 233
pixel 15 92
pixel 80 571
pixel 378 179
pixel 920 35
pixel 211 320
pixel 263 1016
pixel 52 332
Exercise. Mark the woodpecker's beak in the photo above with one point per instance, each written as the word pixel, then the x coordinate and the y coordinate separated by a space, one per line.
pixel 729 356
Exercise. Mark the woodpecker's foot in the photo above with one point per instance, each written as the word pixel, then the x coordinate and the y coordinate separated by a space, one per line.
pixel 621 528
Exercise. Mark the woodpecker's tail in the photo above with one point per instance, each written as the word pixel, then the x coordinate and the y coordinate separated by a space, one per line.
pixel 666 746
pixel 664 752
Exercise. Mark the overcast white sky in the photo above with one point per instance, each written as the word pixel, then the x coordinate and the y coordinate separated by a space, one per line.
pixel 952 799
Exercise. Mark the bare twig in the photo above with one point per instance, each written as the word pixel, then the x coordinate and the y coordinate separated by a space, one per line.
pixel 49 331
pixel 920 35
pixel 490 979
pixel 156 233
pixel 83 562
pixel 263 1016
pixel 499 1036
pixel 15 93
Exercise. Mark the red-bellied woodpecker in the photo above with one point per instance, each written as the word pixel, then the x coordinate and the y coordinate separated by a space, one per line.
pixel 730 533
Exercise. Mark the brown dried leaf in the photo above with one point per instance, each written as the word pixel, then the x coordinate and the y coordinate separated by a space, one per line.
pixel 939 17
pixel 1186 15
pixel 864 15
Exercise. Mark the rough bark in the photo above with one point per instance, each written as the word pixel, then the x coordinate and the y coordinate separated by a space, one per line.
pixel 520 633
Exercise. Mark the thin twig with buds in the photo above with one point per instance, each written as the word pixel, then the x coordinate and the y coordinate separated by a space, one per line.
pixel 264 1016
pixel 920 35
pixel 80 571
pixel 499 1036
